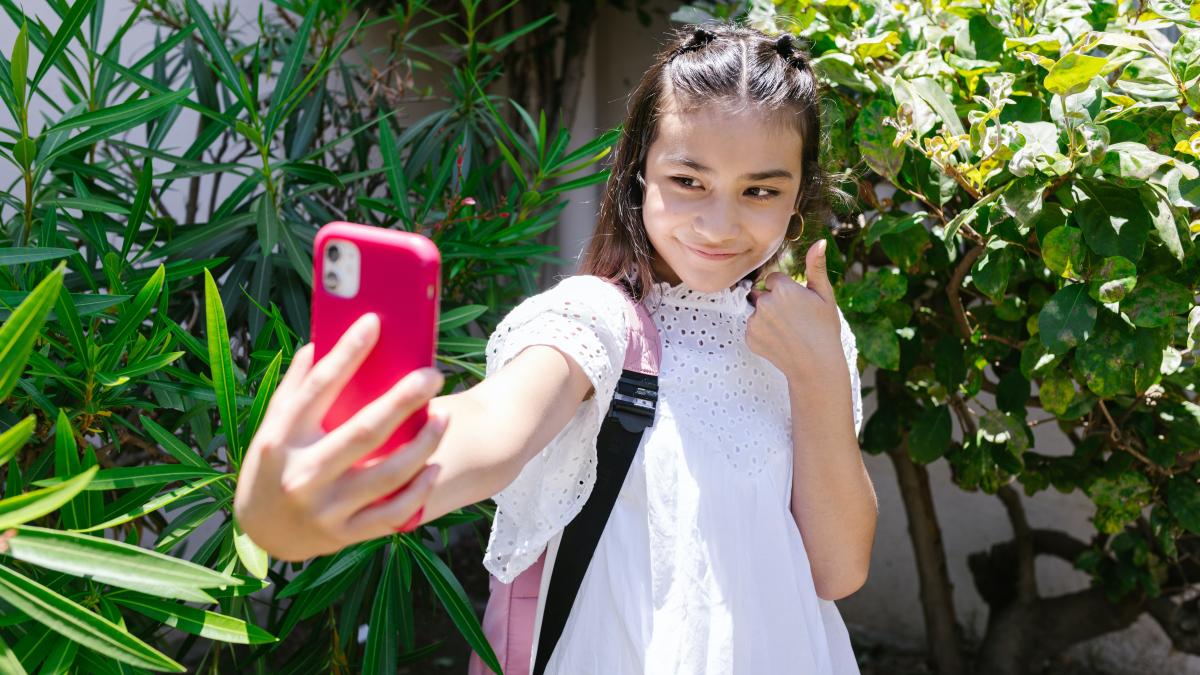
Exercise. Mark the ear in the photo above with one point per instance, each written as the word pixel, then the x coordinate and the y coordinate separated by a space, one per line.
pixel 815 271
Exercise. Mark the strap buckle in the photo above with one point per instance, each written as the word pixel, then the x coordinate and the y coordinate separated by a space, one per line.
pixel 635 400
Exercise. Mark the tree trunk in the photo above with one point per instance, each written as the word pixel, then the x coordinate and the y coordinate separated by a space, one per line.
pixel 942 634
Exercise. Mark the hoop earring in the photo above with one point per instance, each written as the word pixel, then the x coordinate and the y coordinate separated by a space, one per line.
pixel 792 240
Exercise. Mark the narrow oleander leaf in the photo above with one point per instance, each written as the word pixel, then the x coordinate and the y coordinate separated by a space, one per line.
pixel 158 502
pixel 200 622
pixel 9 663
pixel 18 333
pixel 116 563
pixel 223 378
pixel 266 388
pixel 382 647
pixel 66 33
pixel 19 255
pixel 32 505
pixel 123 477
pixel 253 558
pixel 173 446
pixel 133 316
pixel 15 437
pixel 454 599
pixel 75 622
pixel 19 66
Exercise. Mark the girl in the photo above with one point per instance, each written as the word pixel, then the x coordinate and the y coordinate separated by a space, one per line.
pixel 747 510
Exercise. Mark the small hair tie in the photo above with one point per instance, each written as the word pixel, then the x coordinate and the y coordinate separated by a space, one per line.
pixel 699 39
pixel 785 46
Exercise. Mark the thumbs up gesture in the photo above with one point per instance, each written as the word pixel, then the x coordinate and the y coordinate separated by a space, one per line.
pixel 796 326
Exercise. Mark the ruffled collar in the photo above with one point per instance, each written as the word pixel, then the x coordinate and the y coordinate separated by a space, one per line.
pixel 729 300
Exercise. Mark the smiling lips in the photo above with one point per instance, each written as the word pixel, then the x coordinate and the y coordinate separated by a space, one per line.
pixel 711 256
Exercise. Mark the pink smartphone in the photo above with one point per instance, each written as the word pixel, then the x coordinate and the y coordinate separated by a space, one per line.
pixel 395 274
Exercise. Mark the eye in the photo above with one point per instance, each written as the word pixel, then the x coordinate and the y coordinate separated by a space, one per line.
pixel 766 194
pixel 684 180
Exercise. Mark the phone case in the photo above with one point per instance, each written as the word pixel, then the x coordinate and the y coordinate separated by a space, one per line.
pixel 400 281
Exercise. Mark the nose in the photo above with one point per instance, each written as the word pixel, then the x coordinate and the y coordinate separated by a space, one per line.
pixel 718 224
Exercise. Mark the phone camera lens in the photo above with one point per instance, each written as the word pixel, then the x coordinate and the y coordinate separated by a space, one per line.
pixel 331 280
pixel 333 252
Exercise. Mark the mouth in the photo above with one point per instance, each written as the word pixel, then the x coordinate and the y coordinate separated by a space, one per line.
pixel 710 255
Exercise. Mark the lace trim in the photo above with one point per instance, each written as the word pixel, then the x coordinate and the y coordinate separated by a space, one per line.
pixel 728 300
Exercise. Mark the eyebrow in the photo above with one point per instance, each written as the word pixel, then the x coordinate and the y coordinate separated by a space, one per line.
pixel 757 175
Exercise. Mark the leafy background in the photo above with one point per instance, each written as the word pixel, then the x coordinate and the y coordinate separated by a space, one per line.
pixel 1018 255
pixel 155 271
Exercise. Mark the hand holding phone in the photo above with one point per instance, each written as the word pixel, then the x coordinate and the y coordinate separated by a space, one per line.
pixel 342 431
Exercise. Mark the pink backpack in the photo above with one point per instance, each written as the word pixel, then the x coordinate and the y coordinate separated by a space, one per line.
pixel 512 609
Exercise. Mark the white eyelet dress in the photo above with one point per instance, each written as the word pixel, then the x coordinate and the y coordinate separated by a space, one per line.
pixel 701 568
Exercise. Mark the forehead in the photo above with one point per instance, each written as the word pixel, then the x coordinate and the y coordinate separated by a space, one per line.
pixel 734 139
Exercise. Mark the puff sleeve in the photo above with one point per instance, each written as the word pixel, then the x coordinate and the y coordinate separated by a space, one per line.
pixel 850 351
pixel 584 317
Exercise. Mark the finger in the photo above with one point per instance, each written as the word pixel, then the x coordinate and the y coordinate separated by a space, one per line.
pixel 816 272
pixel 385 519
pixel 321 385
pixel 375 422
pixel 360 487
pixel 277 406
pixel 774 279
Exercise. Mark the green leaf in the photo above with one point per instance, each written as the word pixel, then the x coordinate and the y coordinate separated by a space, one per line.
pixel 19 67
pixel 991 271
pixel 453 599
pixel 460 316
pixel 1072 73
pixel 223 378
pixel 267 219
pixel 143 367
pixel 1119 500
pixel 123 477
pixel 1114 278
pixel 15 437
pixel 195 621
pixel 327 569
pixel 1056 392
pixel 285 83
pixel 122 113
pixel 162 500
pixel 9 663
pixel 1155 300
pixel 132 317
pixel 1114 220
pixel 66 463
pixel 877 340
pixel 394 170
pixel 77 623
pixel 875 139
pixel 1119 360
pixel 1067 318
pixel 66 33
pixel 930 435
pixel 1183 498
pixel 32 505
pixel 312 173
pixel 173 446
pixel 22 328
pixel 266 387
pixel 226 70
pixel 253 558
pixel 382 647
pixel 1062 251
pixel 116 563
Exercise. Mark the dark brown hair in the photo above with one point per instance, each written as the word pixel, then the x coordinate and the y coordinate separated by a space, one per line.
pixel 725 63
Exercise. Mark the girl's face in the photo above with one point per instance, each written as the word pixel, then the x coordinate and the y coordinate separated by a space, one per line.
pixel 718 182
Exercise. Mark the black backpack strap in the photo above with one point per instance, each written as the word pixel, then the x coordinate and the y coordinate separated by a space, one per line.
pixel 629 414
